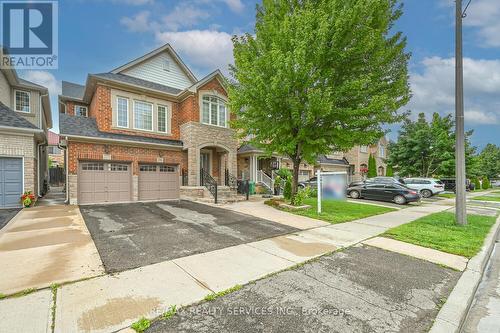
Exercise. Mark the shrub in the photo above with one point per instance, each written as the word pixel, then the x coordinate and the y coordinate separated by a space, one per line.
pixel 372 167
pixel 141 325
pixel 477 183
pixel 486 183
pixel 301 195
pixel 287 192
pixel 389 172
pixel 284 173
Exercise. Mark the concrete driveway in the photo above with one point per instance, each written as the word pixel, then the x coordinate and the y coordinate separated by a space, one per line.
pixel 133 235
pixel 362 289
pixel 45 245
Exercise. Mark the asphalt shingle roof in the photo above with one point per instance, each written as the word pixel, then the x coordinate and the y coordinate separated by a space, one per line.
pixel 72 90
pixel 324 159
pixel 247 148
pixel 138 82
pixel 87 127
pixel 10 118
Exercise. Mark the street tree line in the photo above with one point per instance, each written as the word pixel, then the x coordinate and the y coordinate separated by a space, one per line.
pixel 427 149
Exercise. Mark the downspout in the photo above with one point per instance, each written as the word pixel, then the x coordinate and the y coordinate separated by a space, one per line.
pixel 66 167
pixel 40 144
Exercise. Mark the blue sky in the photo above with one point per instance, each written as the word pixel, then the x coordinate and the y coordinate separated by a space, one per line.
pixel 98 35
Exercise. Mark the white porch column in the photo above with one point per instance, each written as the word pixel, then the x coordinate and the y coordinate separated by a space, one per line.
pixel 255 168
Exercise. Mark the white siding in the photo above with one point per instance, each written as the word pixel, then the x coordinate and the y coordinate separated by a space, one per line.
pixel 5 90
pixel 152 70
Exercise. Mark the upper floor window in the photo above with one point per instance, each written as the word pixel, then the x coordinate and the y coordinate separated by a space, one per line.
pixel 81 111
pixel 122 112
pixel 214 111
pixel 143 115
pixel 162 118
pixel 22 101
pixel 381 151
pixel 363 149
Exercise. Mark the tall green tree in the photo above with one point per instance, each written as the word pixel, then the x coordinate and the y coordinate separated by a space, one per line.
pixel 318 75
pixel 372 167
pixel 427 148
pixel 489 161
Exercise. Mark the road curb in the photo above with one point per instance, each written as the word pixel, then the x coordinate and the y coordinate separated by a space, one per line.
pixel 453 313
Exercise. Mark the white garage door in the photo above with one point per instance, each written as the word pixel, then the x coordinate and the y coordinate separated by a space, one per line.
pixel 103 182
pixel 158 182
pixel 11 182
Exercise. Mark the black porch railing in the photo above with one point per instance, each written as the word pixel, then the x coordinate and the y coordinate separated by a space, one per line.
pixel 210 183
pixel 231 180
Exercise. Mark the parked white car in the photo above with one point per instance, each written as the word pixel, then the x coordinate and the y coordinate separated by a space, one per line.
pixel 427 187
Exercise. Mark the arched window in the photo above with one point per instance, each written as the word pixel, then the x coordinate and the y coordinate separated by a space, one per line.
pixel 381 171
pixel 214 111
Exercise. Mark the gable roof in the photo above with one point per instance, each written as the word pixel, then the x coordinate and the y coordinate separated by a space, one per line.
pixel 164 48
pixel 9 118
pixel 322 159
pixel 122 78
pixel 72 90
pixel 84 127
pixel 215 74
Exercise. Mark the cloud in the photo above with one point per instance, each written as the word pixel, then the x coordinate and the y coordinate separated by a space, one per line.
pixel 139 23
pixel 135 2
pixel 207 49
pixel 235 5
pixel 45 79
pixel 434 89
pixel 184 15
pixel 483 16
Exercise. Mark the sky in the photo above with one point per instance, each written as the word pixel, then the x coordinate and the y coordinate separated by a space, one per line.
pixel 97 36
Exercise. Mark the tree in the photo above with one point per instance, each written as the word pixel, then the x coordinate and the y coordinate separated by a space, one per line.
pixel 389 172
pixel 489 161
pixel 427 149
pixel 372 167
pixel 486 183
pixel 317 76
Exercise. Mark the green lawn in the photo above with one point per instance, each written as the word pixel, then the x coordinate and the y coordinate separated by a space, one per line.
pixel 439 231
pixel 446 195
pixel 487 198
pixel 339 211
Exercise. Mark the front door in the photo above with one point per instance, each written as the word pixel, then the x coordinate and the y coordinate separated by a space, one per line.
pixel 205 162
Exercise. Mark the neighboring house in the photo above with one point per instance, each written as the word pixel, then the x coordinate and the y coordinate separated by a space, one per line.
pixel 25 117
pixel 254 165
pixel 130 133
pixel 358 158
pixel 56 154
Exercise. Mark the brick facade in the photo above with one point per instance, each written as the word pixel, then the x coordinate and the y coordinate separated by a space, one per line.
pixel 184 125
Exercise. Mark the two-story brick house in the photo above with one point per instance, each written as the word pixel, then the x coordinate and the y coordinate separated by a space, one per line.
pixel 25 117
pixel 130 132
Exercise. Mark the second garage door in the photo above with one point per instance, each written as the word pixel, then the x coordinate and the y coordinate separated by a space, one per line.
pixel 100 182
pixel 11 181
pixel 158 182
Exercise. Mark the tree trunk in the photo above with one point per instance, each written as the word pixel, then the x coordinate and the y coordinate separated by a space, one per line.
pixel 295 179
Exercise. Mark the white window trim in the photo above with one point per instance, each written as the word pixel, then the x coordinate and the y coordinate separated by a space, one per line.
pixel 219 96
pixel 153 118
pixel 29 100
pixel 117 115
pixel 167 120
pixel 82 107
pixel 381 151
pixel 363 150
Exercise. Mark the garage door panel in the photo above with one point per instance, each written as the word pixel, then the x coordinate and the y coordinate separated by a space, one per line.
pixel 101 182
pixel 158 182
pixel 11 181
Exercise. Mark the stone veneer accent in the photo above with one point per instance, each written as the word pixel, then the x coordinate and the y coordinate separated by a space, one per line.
pixel 197 136
pixel 18 145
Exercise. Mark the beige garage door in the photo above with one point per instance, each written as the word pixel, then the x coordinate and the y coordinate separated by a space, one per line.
pixel 158 182
pixel 102 182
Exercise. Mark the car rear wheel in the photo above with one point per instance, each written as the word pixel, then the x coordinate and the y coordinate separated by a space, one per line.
pixel 426 193
pixel 354 194
pixel 399 199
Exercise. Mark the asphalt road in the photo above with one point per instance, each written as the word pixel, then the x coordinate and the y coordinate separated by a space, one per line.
pixel 484 315
pixel 134 235
pixel 361 289
pixel 6 215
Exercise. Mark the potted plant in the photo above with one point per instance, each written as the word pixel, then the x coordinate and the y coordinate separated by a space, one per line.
pixel 27 199
pixel 277 185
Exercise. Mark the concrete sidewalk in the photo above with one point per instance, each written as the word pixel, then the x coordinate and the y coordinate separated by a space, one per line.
pixel 109 303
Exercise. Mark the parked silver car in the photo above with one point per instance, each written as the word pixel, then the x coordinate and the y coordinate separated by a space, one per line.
pixel 427 187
